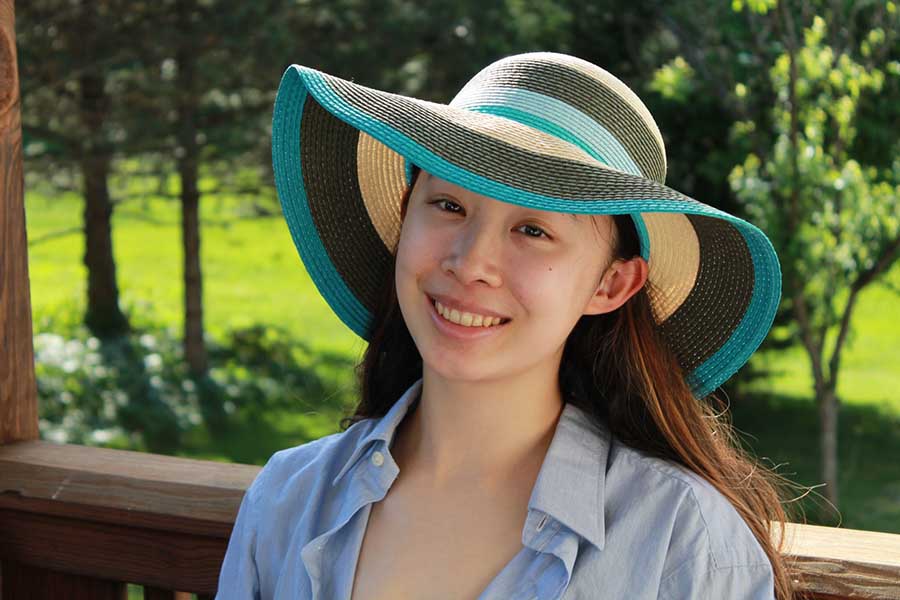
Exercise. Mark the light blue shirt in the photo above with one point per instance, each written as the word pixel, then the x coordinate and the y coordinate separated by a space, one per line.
pixel 604 521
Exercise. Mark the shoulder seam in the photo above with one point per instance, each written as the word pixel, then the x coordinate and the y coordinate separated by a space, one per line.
pixel 650 464
pixel 681 567
pixel 262 478
pixel 709 552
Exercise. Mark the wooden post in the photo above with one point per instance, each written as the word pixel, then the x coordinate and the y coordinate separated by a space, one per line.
pixel 18 391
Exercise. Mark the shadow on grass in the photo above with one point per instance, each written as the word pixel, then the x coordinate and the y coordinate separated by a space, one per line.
pixel 784 430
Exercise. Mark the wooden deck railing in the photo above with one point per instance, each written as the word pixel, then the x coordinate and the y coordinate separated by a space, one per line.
pixel 116 516
pixel 111 516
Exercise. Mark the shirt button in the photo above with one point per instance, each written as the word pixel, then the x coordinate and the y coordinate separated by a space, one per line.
pixel 377 458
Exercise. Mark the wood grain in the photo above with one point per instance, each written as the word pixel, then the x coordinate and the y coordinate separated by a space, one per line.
pixel 116 515
pixel 845 563
pixel 18 391
pixel 154 557
pixel 125 485
pixel 25 581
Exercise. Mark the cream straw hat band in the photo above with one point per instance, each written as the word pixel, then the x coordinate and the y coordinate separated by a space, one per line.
pixel 542 130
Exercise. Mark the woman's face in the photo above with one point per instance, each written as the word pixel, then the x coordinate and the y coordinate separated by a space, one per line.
pixel 478 261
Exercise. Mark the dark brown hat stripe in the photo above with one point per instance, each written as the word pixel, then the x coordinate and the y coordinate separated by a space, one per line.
pixel 325 135
pixel 595 100
pixel 719 298
pixel 504 162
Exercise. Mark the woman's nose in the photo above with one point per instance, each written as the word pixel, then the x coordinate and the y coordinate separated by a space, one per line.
pixel 474 255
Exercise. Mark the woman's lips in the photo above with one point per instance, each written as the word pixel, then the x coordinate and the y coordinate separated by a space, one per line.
pixel 463 306
pixel 457 330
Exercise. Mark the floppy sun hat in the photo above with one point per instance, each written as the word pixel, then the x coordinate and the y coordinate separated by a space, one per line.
pixel 541 130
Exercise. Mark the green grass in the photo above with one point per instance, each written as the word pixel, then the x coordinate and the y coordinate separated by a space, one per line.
pixel 251 271
pixel 783 430
pixel 870 361
pixel 252 275
pixel 258 438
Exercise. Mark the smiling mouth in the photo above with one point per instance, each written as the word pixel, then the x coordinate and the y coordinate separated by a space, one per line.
pixel 467 319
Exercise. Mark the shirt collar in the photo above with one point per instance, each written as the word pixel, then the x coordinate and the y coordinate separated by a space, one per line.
pixel 384 428
pixel 570 484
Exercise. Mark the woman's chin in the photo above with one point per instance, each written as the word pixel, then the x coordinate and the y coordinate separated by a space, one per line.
pixel 448 369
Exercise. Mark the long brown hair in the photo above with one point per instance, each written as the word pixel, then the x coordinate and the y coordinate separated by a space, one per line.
pixel 619 371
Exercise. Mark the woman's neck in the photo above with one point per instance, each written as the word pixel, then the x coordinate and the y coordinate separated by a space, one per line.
pixel 485 433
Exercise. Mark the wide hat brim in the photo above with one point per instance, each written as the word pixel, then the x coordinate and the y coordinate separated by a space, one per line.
pixel 342 154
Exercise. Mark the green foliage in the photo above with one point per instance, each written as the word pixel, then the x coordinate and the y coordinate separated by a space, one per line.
pixel 674 80
pixel 122 392
pixel 831 217
pixel 134 392
pixel 760 7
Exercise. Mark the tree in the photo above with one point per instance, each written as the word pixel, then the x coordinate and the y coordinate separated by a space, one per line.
pixel 72 54
pixel 834 220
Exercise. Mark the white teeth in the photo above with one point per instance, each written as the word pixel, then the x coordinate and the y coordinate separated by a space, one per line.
pixel 466 319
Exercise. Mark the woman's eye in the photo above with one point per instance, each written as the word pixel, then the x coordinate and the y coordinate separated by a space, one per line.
pixel 448 205
pixel 533 231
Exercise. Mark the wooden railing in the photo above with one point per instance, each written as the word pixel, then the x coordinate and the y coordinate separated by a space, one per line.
pixel 116 516
pixel 112 516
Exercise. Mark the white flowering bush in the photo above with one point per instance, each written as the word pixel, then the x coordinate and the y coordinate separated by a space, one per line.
pixel 135 391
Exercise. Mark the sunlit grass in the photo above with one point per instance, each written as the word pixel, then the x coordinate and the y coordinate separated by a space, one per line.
pixel 251 270
pixel 870 361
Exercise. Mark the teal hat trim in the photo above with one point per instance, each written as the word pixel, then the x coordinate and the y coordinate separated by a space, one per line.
pixel 759 316
pixel 289 183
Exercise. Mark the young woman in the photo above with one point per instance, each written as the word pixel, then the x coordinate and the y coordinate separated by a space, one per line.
pixel 546 320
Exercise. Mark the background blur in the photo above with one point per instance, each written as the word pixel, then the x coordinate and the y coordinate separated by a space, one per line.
pixel 172 313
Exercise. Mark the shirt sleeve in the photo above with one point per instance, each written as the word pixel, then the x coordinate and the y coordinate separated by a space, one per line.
pixel 239 577
pixel 741 582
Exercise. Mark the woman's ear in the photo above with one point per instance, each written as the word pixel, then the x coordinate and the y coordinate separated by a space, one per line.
pixel 621 281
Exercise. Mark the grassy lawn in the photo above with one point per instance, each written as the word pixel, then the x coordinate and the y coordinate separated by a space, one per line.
pixel 252 275
pixel 783 430
pixel 251 270
pixel 870 363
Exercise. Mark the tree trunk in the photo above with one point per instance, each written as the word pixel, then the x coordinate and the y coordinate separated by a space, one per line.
pixel 194 347
pixel 828 418
pixel 103 316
